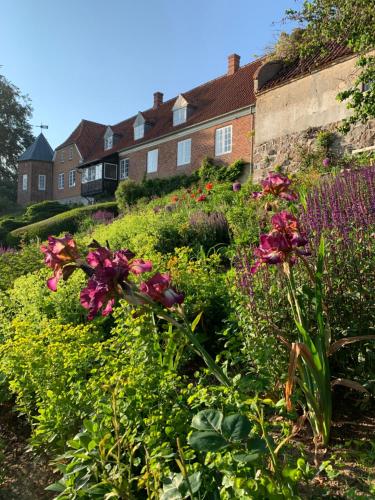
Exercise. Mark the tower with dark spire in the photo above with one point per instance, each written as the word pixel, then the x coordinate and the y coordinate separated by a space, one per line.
pixel 35 172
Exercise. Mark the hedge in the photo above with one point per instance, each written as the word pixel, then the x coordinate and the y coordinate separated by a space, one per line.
pixel 65 222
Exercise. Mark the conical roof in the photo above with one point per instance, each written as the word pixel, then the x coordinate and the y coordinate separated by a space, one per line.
pixel 40 150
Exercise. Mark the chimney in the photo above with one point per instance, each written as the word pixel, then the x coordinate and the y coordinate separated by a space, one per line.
pixel 158 99
pixel 233 63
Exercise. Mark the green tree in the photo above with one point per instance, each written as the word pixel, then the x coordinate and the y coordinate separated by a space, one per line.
pixel 15 136
pixel 349 22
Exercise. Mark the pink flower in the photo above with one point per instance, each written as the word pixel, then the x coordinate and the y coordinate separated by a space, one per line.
pixel 159 289
pixel 256 195
pixel 326 162
pixel 236 186
pixel 60 254
pixel 282 244
pixel 278 185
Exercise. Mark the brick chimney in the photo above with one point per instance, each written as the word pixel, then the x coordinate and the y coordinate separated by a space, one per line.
pixel 233 63
pixel 158 99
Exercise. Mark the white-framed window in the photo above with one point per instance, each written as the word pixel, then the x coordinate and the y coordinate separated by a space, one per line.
pixel 91 174
pixel 152 161
pixel 139 131
pixel 60 181
pixel 24 182
pixel 124 168
pixel 183 152
pixel 41 182
pixel 179 116
pixel 108 142
pixel 72 178
pixel 71 153
pixel 223 140
pixel 62 156
pixel 110 171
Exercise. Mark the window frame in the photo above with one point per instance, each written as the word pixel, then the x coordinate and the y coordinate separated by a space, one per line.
pixel 124 162
pixel 71 153
pixel 104 171
pixel 62 156
pixel 72 173
pixel 220 146
pixel 108 142
pixel 25 182
pixel 139 132
pixel 181 148
pixel 176 114
pixel 61 181
pixel 88 176
pixel 42 187
pixel 151 155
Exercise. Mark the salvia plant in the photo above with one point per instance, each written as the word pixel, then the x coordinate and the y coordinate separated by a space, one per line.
pixel 284 245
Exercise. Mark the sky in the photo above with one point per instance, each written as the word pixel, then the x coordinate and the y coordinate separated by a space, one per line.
pixel 102 60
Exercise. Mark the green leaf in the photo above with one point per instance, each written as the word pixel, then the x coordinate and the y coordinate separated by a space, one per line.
pixel 196 321
pixel 195 481
pixel 58 487
pixel 247 458
pixel 207 420
pixel 207 441
pixel 236 427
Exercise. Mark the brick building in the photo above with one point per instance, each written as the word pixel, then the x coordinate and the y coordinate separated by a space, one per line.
pixel 215 119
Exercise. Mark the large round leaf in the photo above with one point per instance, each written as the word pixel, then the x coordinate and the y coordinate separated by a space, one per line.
pixel 236 427
pixel 207 441
pixel 207 420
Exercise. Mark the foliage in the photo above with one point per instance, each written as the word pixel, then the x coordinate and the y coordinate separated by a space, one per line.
pixel 33 213
pixel 209 171
pixel 14 264
pixel 65 222
pixel 129 192
pixel 15 136
pixel 350 23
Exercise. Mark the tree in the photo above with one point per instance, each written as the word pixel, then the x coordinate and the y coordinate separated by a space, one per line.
pixel 15 136
pixel 349 22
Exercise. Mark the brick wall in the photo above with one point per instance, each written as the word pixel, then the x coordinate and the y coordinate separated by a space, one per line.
pixel 65 167
pixel 33 169
pixel 202 145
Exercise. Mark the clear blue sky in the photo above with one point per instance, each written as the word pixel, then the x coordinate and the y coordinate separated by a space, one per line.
pixel 103 59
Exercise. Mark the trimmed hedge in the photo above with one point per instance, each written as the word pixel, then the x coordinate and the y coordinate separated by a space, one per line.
pixel 65 222
pixel 33 213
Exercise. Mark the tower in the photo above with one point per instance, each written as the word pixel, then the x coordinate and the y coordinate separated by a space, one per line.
pixel 35 172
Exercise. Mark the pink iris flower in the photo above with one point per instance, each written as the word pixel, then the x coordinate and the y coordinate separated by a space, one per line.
pixel 282 244
pixel 159 289
pixel 111 270
pixel 60 254
pixel 278 185
pixel 236 186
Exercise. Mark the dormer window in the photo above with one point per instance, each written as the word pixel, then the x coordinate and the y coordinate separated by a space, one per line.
pixel 180 110
pixel 179 116
pixel 139 126
pixel 108 142
pixel 108 139
pixel 139 132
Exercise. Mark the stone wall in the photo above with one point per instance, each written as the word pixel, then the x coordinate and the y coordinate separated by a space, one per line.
pixel 286 151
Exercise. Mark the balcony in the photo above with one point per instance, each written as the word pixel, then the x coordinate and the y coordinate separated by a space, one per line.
pixel 99 179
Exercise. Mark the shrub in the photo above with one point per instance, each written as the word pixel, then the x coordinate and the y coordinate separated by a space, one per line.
pixel 65 222
pixel 129 192
pixel 208 230
pixel 44 210
pixel 14 264
pixel 209 171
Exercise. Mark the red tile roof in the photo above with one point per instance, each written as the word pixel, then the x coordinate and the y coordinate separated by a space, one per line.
pixel 85 136
pixel 302 67
pixel 212 99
